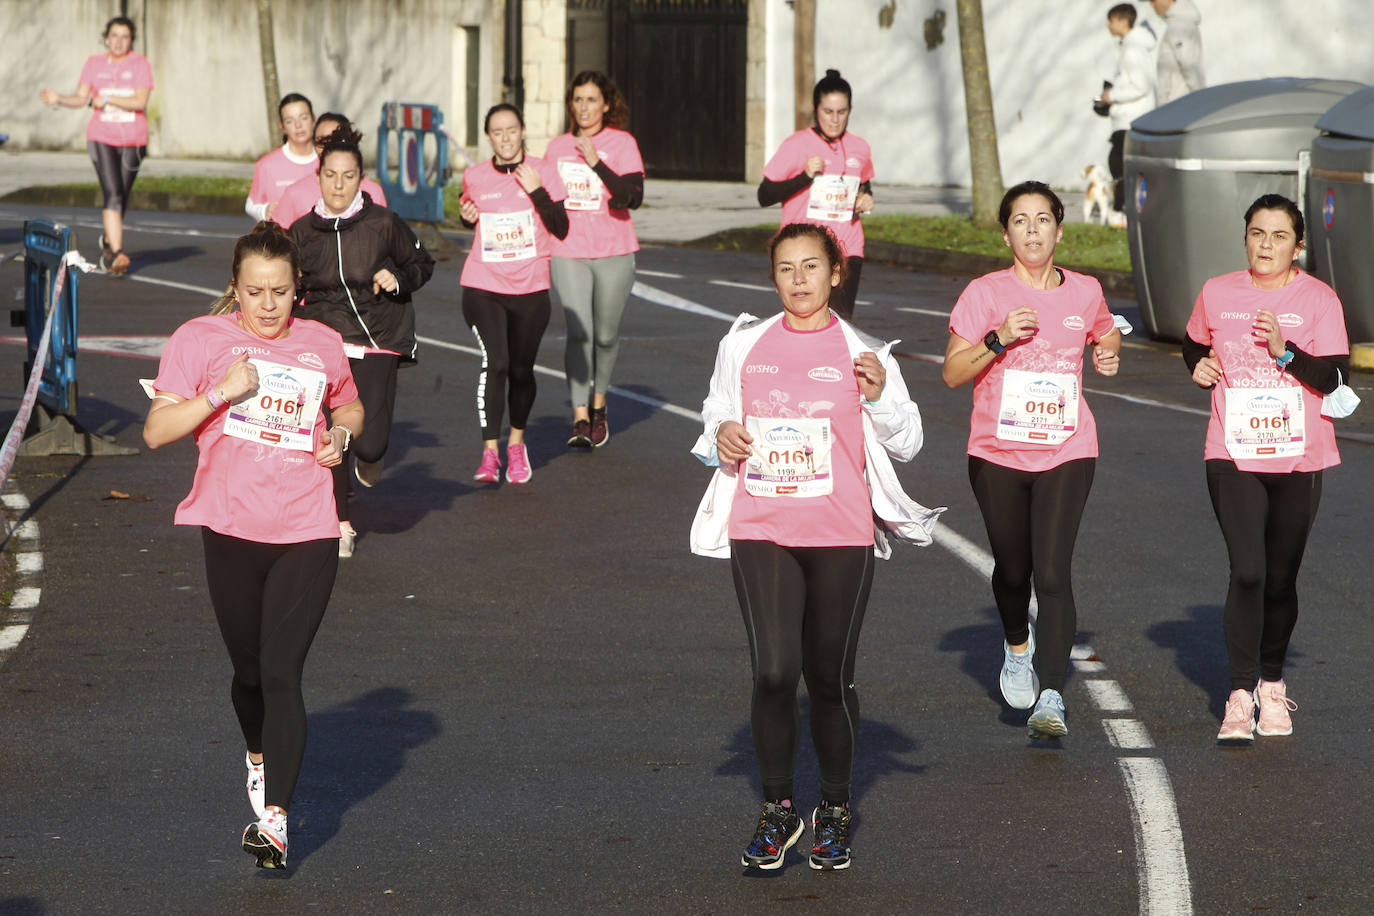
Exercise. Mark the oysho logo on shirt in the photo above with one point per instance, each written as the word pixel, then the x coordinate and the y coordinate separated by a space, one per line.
pixel 258 351
pixel 825 374
pixel 311 360
pixel 1235 316
pixel 491 196
pixel 759 369
pixel 1290 320
pixel 1074 323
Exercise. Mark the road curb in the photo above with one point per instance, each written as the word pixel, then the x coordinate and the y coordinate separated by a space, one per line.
pixel 138 200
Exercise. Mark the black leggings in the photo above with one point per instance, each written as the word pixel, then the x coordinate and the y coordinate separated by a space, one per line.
pixel 803 608
pixel 116 167
pixel 269 600
pixel 508 328
pixel 1265 519
pixel 1116 164
pixel 843 299
pixel 1032 520
pixel 375 377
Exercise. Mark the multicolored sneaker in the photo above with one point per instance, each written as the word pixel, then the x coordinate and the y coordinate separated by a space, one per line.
pixel 830 837
pixel 266 840
pixel 779 828
pixel 518 468
pixel 581 435
pixel 1239 722
pixel 1274 709
pixel 1048 719
pixel 257 785
pixel 601 433
pixel 1020 686
pixel 489 471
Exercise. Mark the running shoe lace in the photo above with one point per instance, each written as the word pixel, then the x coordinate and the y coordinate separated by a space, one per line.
pixel 830 829
pixel 771 831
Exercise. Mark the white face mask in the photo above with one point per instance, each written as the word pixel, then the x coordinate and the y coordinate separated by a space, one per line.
pixel 1340 403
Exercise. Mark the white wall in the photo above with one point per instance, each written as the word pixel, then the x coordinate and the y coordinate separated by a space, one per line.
pixel 1046 60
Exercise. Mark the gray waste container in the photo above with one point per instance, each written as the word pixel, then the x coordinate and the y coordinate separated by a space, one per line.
pixel 1340 208
pixel 1194 166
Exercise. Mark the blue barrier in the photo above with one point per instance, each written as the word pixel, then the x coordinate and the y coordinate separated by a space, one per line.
pixel 45 243
pixel 416 193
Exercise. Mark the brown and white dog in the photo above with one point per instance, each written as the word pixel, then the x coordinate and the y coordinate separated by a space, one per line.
pixel 1097 196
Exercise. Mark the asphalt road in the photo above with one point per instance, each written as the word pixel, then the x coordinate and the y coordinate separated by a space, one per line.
pixel 534 699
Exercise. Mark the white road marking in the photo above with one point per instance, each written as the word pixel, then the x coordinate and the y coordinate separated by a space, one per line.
pixel 1108 696
pixel 915 311
pixel 732 283
pixel 1128 734
pixel 11 636
pixel 27 563
pixel 1086 667
pixel 25 598
pixel 1161 865
pixel 661 297
pixel 16 501
pixel 658 273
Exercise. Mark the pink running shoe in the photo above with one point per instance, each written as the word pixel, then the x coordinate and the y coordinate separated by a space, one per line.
pixel 489 471
pixel 1239 723
pixel 518 468
pixel 1274 707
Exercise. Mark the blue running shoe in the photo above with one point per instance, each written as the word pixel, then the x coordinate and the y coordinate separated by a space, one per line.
pixel 779 828
pixel 1048 719
pixel 1019 684
pixel 830 838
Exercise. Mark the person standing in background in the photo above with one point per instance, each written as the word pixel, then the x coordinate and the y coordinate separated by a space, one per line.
pixel 1179 70
pixel 1132 92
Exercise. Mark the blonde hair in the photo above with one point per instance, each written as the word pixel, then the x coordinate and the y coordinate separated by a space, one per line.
pixel 267 240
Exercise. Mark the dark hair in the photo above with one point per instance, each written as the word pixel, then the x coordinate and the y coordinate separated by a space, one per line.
pixel 124 21
pixel 1278 202
pixel 831 82
pixel 343 140
pixel 833 253
pixel 1029 187
pixel 333 117
pixel 1123 11
pixel 618 114
pixel 267 240
pixel 497 109
pixel 291 97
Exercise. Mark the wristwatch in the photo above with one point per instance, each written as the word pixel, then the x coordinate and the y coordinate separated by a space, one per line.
pixel 993 343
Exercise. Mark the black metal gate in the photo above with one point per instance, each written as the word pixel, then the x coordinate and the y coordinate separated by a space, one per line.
pixel 681 65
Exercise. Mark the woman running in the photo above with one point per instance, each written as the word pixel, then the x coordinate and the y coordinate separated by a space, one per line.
pixel 1019 335
pixel 262 497
pixel 301 197
pixel 505 282
pixel 360 265
pixel 798 529
pixel 116 85
pixel 284 166
pixel 594 267
pixel 1269 341
pixel 822 175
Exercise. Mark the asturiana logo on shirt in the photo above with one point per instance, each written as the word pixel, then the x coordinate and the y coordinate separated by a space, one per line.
pixel 760 369
pixel 784 435
pixel 1290 320
pixel 1074 323
pixel 311 360
pixel 825 374
pixel 1041 388
pixel 281 384
pixel 1264 402
pixel 852 163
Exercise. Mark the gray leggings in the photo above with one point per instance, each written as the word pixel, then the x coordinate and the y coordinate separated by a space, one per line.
pixel 593 292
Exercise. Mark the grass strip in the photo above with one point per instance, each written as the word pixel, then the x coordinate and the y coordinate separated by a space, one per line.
pixel 1084 245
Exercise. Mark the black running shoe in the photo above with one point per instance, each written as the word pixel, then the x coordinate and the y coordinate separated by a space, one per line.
pixel 779 828
pixel 830 838
pixel 581 435
pixel 601 433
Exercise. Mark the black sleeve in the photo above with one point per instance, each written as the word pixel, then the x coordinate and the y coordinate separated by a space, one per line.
pixel 466 224
pixel 627 191
pixel 408 260
pixel 551 212
pixel 1193 352
pixel 775 192
pixel 866 187
pixel 1319 372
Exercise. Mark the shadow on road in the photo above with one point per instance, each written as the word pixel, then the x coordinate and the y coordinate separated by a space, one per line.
pixel 355 748
pixel 151 257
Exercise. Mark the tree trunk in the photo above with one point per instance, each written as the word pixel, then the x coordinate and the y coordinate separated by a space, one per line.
pixel 803 60
pixel 982 127
pixel 268 48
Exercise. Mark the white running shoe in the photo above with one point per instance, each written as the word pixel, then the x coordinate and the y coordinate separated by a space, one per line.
pixel 348 537
pixel 1048 719
pixel 1020 686
pixel 257 785
pixel 266 840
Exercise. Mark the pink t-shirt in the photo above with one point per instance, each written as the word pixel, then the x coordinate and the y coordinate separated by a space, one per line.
pixel 277 171
pixel 511 248
pixel 1028 407
pixel 801 405
pixel 829 201
pixel 111 125
pixel 299 198
pixel 1311 317
pixel 245 489
pixel 595 230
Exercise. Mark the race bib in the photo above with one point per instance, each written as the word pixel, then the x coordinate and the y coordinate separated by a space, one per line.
pixel 583 186
pixel 354 351
pixel 791 457
pixel 1265 423
pixel 1038 407
pixel 508 236
pixel 112 115
pixel 832 197
pixel 282 412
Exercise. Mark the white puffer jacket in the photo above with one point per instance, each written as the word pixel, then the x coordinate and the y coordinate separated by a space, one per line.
pixel 1180 53
pixel 1133 83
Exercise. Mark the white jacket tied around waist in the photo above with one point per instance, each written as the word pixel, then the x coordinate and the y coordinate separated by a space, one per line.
pixel 892 425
